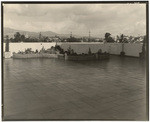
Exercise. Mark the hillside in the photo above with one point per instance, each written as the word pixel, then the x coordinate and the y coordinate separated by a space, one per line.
pixel 10 32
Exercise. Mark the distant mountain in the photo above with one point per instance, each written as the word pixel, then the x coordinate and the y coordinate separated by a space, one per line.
pixel 10 32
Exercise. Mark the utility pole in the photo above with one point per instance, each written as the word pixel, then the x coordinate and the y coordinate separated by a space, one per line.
pixel 7 44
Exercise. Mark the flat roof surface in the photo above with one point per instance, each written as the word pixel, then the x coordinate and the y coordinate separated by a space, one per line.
pixel 48 89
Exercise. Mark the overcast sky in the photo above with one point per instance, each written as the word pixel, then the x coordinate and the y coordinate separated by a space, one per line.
pixel 129 19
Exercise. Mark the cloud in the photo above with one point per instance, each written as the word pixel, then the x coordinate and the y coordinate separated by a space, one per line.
pixel 79 18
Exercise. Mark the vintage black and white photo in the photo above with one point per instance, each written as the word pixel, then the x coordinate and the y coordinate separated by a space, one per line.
pixel 74 60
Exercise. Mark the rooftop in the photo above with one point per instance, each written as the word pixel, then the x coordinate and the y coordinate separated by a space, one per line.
pixel 50 89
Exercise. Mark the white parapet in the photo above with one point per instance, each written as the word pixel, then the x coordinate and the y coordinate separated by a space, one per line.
pixel 7 54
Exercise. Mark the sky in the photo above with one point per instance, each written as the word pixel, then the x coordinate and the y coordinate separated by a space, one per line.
pixel 129 19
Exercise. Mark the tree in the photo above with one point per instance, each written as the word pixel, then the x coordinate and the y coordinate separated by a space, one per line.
pixel 17 37
pixel 121 38
pixel 46 39
pixel 108 38
pixel 22 37
pixel 73 39
pixel 107 35
pixel 118 39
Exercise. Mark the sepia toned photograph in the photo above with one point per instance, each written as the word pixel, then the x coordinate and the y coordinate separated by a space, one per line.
pixel 75 61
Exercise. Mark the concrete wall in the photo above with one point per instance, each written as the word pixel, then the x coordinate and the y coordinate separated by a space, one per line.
pixel 15 47
pixel 131 49
pixel 84 47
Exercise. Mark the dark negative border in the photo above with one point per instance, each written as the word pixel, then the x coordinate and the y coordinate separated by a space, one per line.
pixel 77 2
pixel 147 59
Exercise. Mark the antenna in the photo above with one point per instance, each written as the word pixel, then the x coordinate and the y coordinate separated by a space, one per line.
pixel 70 34
pixel 89 35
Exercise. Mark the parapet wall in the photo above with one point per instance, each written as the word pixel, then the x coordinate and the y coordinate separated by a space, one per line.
pixel 130 49
pixel 16 47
